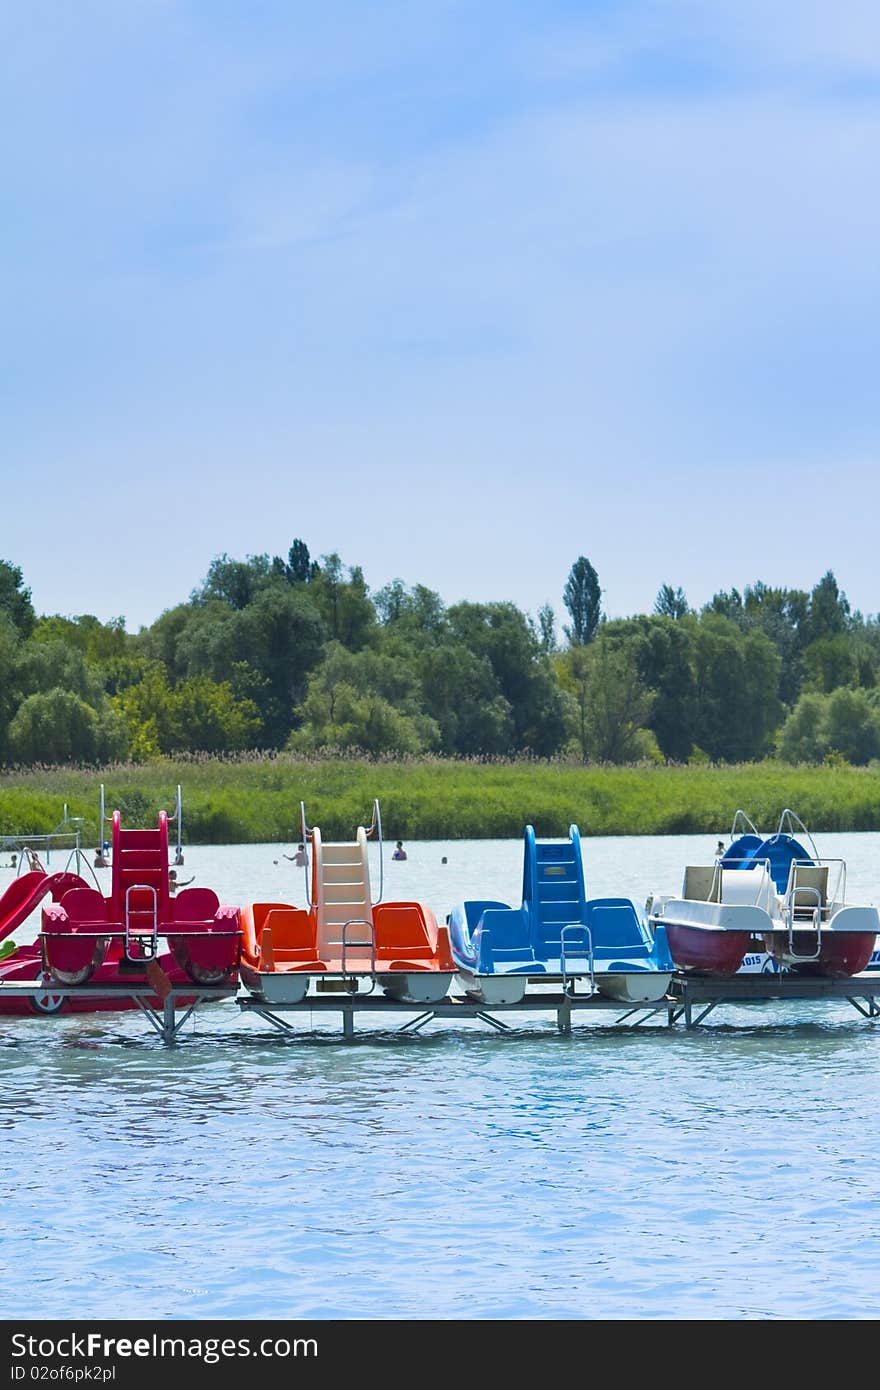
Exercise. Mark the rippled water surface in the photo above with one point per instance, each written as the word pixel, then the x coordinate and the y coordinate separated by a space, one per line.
pixel 729 1172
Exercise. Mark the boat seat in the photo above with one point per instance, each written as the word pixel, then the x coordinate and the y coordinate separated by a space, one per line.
pixel 614 926
pixel 401 930
pixel 292 930
pixel 702 883
pixel 805 882
pixel 195 905
pixel 507 928
pixel 84 905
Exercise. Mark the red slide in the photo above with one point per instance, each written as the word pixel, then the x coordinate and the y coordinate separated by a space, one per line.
pixel 23 894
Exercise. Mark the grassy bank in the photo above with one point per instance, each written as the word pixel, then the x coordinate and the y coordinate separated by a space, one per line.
pixel 257 799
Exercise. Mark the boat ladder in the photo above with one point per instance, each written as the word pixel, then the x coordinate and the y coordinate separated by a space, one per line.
pixel 575 942
pixel 352 979
pixel 141 940
pixel 802 917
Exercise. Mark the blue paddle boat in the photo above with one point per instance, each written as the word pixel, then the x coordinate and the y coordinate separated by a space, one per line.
pixel 557 935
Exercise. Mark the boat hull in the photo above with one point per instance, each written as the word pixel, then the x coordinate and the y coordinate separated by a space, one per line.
pixel 25 966
pixel 706 950
pixel 840 954
pixel 633 987
pixel 275 986
pixel 417 986
pixel 494 989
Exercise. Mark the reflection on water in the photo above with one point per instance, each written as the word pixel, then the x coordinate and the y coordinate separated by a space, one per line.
pixel 725 1173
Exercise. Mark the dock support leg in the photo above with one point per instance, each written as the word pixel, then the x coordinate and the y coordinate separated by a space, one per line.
pixel 688 1017
pixel 563 1019
pixel 348 1022
pixel 169 1031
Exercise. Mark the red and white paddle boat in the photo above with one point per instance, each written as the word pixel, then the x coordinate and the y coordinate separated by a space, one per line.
pixel 773 893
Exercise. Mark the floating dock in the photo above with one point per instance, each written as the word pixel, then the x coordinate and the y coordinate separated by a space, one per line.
pixel 691 998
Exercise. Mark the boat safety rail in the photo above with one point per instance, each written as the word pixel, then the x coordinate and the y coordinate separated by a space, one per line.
pixel 147 938
pixel 791 824
pixel 742 825
pixel 832 879
pixel 816 874
pixel 80 861
pixel 376 829
pixel 575 940
pixel 305 831
pixel 346 945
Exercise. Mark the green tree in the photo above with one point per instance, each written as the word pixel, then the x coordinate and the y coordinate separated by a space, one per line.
pixel 611 702
pixel 547 629
pixel 57 727
pixel 15 599
pixel 343 603
pixel 802 737
pixel 197 715
pixel 235 582
pixel 736 679
pixel 279 637
pixel 664 651
pixel 583 599
pixel 460 693
pixel 829 609
pixel 9 644
pixel 499 634
pixel 366 701
pixel 670 603
pixel 852 726
pixel 830 662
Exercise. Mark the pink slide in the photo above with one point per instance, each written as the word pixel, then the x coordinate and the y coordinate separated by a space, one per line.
pixel 22 896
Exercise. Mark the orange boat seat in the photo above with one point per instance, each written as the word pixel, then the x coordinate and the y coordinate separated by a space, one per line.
pixel 402 930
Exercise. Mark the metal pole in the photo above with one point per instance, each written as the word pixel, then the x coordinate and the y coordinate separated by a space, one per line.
pixel 168 1020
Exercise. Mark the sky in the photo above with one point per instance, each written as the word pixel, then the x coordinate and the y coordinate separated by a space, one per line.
pixel 458 291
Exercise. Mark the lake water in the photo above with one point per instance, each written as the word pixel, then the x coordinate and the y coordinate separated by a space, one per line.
pixel 728 1172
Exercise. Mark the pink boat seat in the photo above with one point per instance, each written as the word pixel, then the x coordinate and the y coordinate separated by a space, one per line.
pixel 195 905
pixel 84 905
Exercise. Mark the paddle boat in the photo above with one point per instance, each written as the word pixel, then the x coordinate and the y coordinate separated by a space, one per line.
pixel 767 903
pixel 86 937
pixel 343 940
pixel 557 935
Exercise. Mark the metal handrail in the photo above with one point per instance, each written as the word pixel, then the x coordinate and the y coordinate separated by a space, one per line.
pixel 835 893
pixel 749 825
pixel 143 938
pixel 306 840
pixel 359 922
pixel 376 827
pixel 588 936
pixel 788 821
pixel 816 913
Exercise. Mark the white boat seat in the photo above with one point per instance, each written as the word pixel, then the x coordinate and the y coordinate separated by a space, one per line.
pixel 701 883
pixel 805 882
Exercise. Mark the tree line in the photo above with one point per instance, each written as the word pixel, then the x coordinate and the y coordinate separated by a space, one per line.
pixel 294 653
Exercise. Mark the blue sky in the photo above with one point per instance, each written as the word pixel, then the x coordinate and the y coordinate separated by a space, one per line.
pixel 459 290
